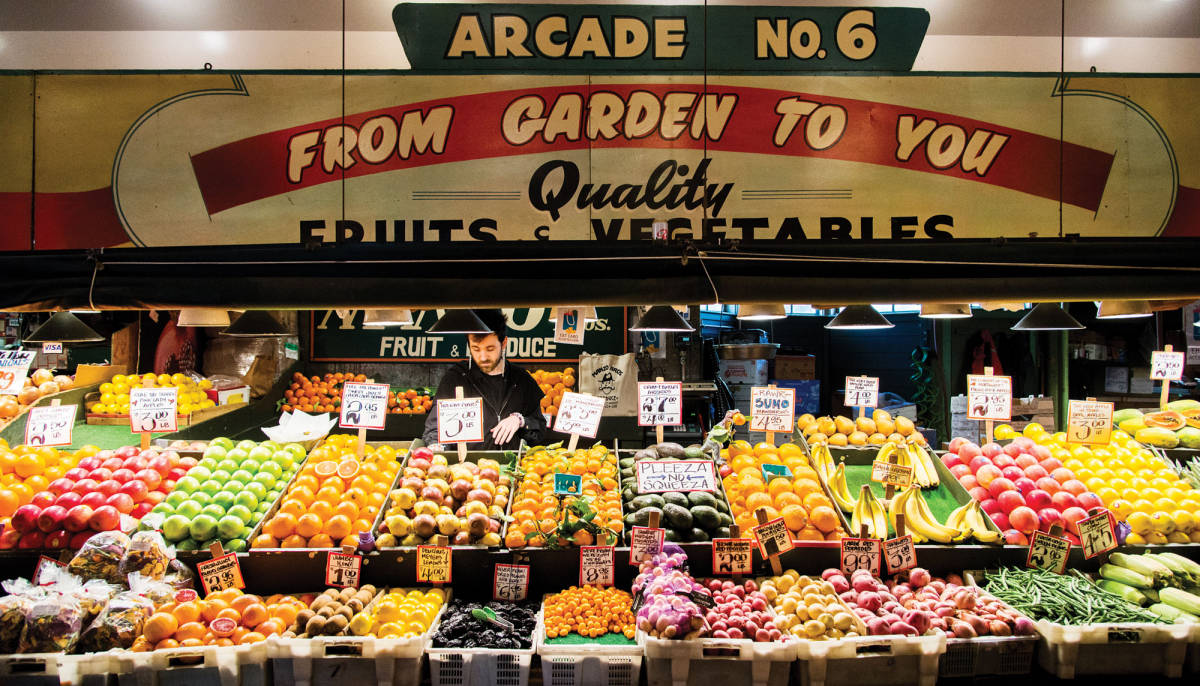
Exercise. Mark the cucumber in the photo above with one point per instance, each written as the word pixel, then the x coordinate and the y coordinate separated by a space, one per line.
pixel 1127 593
pixel 1125 575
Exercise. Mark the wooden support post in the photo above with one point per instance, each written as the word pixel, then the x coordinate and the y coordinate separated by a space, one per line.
pixel 735 531
pixel 890 489
pixel 462 447
pixel 771 441
pixel 900 525
pixel 988 424
pixel 761 515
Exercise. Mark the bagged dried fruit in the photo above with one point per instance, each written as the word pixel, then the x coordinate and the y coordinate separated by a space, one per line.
pixel 12 612
pixel 121 622
pixel 147 553
pixel 100 557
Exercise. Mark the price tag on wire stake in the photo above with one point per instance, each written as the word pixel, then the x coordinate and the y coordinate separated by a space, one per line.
pixel 774 409
pixel 660 403
pixel 460 420
pixel 596 565
pixel 1166 365
pixel 433 564
pixel 732 556
pixel 1089 422
pixel 899 554
pixel 645 543
pixel 220 573
pixel 579 414
pixel 50 425
pixel 773 538
pixel 1097 535
pixel 510 583
pixel 364 406
pixel 343 570
pixel 153 410
pixel 890 474
pixel 989 397
pixel 1048 552
pixel 861 553
pixel 862 391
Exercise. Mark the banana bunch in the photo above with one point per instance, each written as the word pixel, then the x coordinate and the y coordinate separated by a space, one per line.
pixel 840 490
pixel 919 519
pixel 912 455
pixel 869 512
pixel 822 461
pixel 970 520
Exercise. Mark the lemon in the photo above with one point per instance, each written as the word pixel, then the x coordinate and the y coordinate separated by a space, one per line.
pixel 1107 494
pixel 390 630
pixel 1033 430
pixel 1121 508
pixel 1004 431
pixel 361 624
pixel 1184 521
pixel 1195 536
pixel 387 611
pixel 119 378
pixel 99 408
pixel 1162 522
pixel 1156 538
pixel 1143 505
pixel 1139 522
pixel 1178 537
pixel 1135 539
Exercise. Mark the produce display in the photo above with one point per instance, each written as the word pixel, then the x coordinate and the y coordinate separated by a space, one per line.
pixel 324 394
pixel 1063 598
pixel 94 495
pixel 223 618
pixel 329 613
pixel 589 612
pixel 1168 584
pixel 806 510
pixel 113 400
pixel 668 609
pixel 334 498
pixel 1178 426
pixel 810 608
pixel 225 495
pixel 695 516
pixel 553 385
pixel 399 613
pixel 877 429
pixel 464 502
pixel 591 517
pixel 41 382
pixel 27 470
pixel 461 628
pixel 741 612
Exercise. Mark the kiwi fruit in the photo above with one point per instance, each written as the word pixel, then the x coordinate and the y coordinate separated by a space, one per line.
pixel 355 604
pixel 336 624
pixel 332 593
pixel 320 602
pixel 315 626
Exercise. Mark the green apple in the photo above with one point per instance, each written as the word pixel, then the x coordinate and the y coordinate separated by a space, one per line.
pixel 201 498
pixel 225 498
pixel 208 463
pixel 176 527
pixel 221 475
pixel 257 488
pixel 236 545
pixel 271 468
pixel 215 452
pixel 187 484
pixel 203 527
pixel 212 486
pixel 234 486
pixel 200 473
pixel 237 455
pixel 264 506
pixel 214 510
pixel 187 509
pixel 228 465
pixel 269 444
pixel 246 444
pixel 242 475
pixel 284 459
pixel 222 441
pixel 247 500
pixel 296 450
pixel 163 508
pixel 272 496
pixel 230 526
pixel 175 497
pixel 241 512
pixel 187 544
pixel 260 453
pixel 267 479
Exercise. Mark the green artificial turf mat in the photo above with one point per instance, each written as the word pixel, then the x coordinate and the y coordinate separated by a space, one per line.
pixel 574 639
pixel 108 437
pixel 941 501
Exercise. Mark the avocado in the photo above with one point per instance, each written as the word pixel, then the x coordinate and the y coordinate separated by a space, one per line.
pixel 630 519
pixel 722 532
pixel 693 452
pixel 722 506
pixel 628 494
pixel 706 517
pixel 626 463
pixel 671 536
pixel 676 498
pixel 645 454
pixel 698 535
pixel 642 516
pixel 701 498
pixel 726 520
pixel 673 450
pixel 627 473
pixel 677 517
pixel 647 500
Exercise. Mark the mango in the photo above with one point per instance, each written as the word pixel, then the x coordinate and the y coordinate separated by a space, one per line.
pixel 1157 437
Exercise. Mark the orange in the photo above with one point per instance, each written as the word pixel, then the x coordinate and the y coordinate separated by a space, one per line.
pixel 230 613
pixel 329 494
pixel 823 518
pixel 281 526
pixel 795 517
pixel 294 541
pixel 303 494
pixel 361 525
pixel 803 486
pixel 308 525
pixel 166 644
pixel 779 486
pixel 251 637
pixel 320 541
pixel 784 499
pixel 191 642
pixel 347 469
pixel 9 502
pixel 816 500
pixel 294 508
pixel 321 509
pixel 212 607
pixel 270 627
pixel 809 534
pixel 159 626
pixel 757 500
pixel 239 603
pixel 264 541
pixel 337 526
pixel 254 614
pixel 223 642
pixel 284 612
pixel 191 630
pixel 347 509
pixel 188 612
pixel 833 536
pixel 325 468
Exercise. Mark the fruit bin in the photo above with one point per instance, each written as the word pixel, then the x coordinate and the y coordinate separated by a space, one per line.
pixel 1001 655
pixel 200 666
pixel 34 669
pixel 1070 651
pixel 882 660
pixel 716 660
pixel 588 664
pixel 478 666
pixel 723 508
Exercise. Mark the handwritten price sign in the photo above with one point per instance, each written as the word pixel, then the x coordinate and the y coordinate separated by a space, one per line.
pixel 1048 552
pixel 364 406
pixel 862 391
pixel 460 420
pixel 861 553
pixel 50 425
pixel 14 368
pixel 732 556
pixel 596 565
pixel 152 410
pixel 343 570
pixel 645 543
pixel 433 564
pixel 989 397
pixel 1166 366
pixel 510 583
pixel 1096 535
pixel 654 476
pixel 1089 422
pixel 774 409
pixel 773 538
pixel 900 554
pixel 890 474
pixel 579 414
pixel 220 573
pixel 660 403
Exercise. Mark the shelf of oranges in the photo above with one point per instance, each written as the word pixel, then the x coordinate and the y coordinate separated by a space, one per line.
pixel 112 398
pixel 539 519
pixel 26 471
pixel 1138 486
pixel 190 623
pixel 554 384
pixel 333 498
pixel 807 509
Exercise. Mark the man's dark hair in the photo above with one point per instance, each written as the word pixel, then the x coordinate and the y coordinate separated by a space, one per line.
pixel 495 321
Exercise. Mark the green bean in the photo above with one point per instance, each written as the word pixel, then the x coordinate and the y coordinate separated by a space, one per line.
pixel 1064 599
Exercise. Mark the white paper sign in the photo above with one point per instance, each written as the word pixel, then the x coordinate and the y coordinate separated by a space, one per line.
pixel 50 425
pixel 52 348
pixel 660 403
pixel 364 406
pixel 661 476
pixel 152 410
pixel 645 543
pixel 1089 422
pixel 579 414
pixel 568 326
pixel 861 553
pixel 862 391
pixel 511 583
pixel 732 556
pixel 773 409
pixel 343 570
pixel 1096 535
pixel 900 554
pixel 1048 552
pixel 596 565
pixel 1166 366
pixel 14 368
pixel 460 420
pixel 989 397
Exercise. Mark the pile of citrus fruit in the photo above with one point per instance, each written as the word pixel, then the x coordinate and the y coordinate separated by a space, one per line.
pixel 224 618
pixel 554 384
pixel 317 394
pixel 27 470
pixel 409 401
pixel 807 512
pixel 399 613
pixel 333 498
pixel 114 394
pixel 536 509
pixel 590 611
pixel 877 429
pixel 1135 484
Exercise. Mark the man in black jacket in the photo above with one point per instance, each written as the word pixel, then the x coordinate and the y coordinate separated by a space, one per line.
pixel 511 398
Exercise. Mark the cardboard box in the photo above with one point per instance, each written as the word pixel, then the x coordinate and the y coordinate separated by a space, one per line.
pixel 800 367
pixel 744 372
pixel 88 374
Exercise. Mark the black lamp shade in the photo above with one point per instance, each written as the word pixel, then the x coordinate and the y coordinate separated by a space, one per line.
pixel 1047 317
pixel 256 323
pixel 662 318
pixel 63 327
pixel 460 321
pixel 859 317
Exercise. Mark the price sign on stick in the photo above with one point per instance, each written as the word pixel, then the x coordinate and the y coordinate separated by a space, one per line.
pixel 655 476
pixel 579 415
pixel 50 425
pixel 773 538
pixel 343 570
pixel 890 474
pixel 433 564
pixel 152 410
pixel 1089 422
pixel 510 583
pixel 861 553
pixel 596 565
pixel 644 543
pixel 660 403
pixel 862 391
pixel 1096 534
pixel 989 397
pixel 14 368
pixel 900 554
pixel 1048 552
pixel 364 406
pixel 1166 365
pixel 460 421
pixel 774 409
pixel 732 556
pixel 220 573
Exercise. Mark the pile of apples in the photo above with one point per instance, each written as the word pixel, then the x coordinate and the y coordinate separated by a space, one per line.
pixel 96 495
pixel 1022 487
pixel 464 502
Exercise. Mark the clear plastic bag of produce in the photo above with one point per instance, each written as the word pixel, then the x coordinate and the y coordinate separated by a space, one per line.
pixel 147 553
pixel 158 591
pixel 100 557
pixel 12 612
pixel 122 619
pixel 53 619
pixel 179 575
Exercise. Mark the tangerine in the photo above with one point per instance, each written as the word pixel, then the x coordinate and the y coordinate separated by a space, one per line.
pixel 308 525
pixel 294 541
pixel 337 526
pixel 281 525
pixel 254 614
pixel 191 630
pixel 160 626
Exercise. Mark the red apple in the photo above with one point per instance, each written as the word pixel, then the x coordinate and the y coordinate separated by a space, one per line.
pixel 85 486
pixel 42 499
pixel 990 449
pixel 25 518
pixel 32 541
pixel 122 501
pixel 172 458
pixel 148 454
pixel 1050 464
pixel 1072 538
pixel 960 470
pixel 134 463
pixel 136 490
pixel 1035 472
pixel 8 539
pixel 75 474
pixel 1049 485
pixel 176 473
pixel 1012 449
pixel 1064 500
pixel 90 463
pixel 187 462
pixel 160 464
pixel 1023 519
pixel 1039 499
pixel 950 459
pixel 1025 485
pixel 149 477
pixel 423 453
pixel 51 518
pixel 1003 461
pixel 58 540
pixel 1025 444
pixel 69 499
pixel 1047 518
pixel 1000 520
pixel 1010 500
pixel 112 464
pixel 123 475
pixel 1071 517
pixel 978 463
pixel 79 539
pixel 991 505
pixel 1012 472
pixel 1089 500
pixel 108 487
pixel 986 475
pixel 168 485
pixel 999 486
pixel 956 443
pixel 1025 460
pixel 77 518
pixel 105 518
pixel 60 486
pixel 100 474
pixel 1074 486
pixel 141 510
pixel 93 500
pixel 980 493
pixel 127 451
pixel 968 481
pixel 1014 537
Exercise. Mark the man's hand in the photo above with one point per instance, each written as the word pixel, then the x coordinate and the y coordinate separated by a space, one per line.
pixel 504 431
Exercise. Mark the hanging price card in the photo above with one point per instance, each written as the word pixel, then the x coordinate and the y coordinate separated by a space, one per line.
pixel 510 583
pixel 220 573
pixel 655 476
pixel 596 565
pixel 732 556
pixel 579 414
pixel 645 543
pixel 364 406
pixel 1089 422
pixel 773 538
pixel 989 397
pixel 861 553
pixel 50 425
pixel 44 564
pixel 862 391
pixel 152 410
pixel 660 403
pixel 568 326
pixel 343 569
pixel 774 409
pixel 1096 535
pixel 460 420
pixel 14 368
pixel 900 554
pixel 1166 366
pixel 433 564
pixel 52 348
pixel 890 474
pixel 567 484
pixel 1048 552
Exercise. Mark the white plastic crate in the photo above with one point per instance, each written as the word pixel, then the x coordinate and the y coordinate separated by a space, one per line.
pixel 34 669
pixel 200 666
pixel 589 665
pixel 1067 651
pixel 704 661
pixel 90 669
pixel 876 660
pixel 482 666
pixel 359 660
pixel 1191 665
pixel 1002 655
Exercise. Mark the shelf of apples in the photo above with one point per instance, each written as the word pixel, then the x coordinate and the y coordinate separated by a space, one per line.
pixel 464 502
pixel 113 400
pixel 104 490
pixel 1038 479
pixel 226 494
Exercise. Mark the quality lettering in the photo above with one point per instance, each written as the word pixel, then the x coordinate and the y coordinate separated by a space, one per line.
pixel 552 186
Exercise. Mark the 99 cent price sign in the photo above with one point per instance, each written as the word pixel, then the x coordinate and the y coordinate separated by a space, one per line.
pixel 596 565
pixel 152 410
pixel 460 420
pixel 50 425
pixel 14 368
pixel 364 406
pixel 861 553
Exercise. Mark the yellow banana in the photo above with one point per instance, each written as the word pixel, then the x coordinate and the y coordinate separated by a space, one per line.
pixel 895 507
pixel 885 451
pixel 857 516
pixel 841 492
pixel 922 455
pixel 979 528
pixel 923 522
pixel 957 517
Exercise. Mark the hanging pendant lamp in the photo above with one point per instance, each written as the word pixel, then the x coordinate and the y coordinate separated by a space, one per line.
pixel 63 327
pixel 203 316
pixel 380 318
pixel 755 312
pixel 945 311
pixel 1123 309
pixel 256 323
pixel 662 318
pixel 460 321
pixel 859 317
pixel 1047 317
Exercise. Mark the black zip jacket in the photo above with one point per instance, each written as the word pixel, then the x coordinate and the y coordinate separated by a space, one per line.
pixel 521 394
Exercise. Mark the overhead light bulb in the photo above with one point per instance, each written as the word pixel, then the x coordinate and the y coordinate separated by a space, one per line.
pixel 1123 309
pixel 945 311
pixel 761 311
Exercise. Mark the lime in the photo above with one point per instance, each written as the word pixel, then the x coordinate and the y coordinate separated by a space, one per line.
pixel 175 497
pixel 247 500
pixel 257 488
pixel 201 498
pixel 200 473
pixel 246 445
pixel 221 441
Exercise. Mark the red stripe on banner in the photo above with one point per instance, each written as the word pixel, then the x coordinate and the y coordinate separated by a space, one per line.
pixel 257 167
pixel 1185 216
pixel 15 221
pixel 82 219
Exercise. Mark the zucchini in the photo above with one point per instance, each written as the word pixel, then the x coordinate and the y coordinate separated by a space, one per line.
pixel 1125 575
pixel 1156 571
pixel 1173 614
pixel 1128 593
pixel 1180 599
